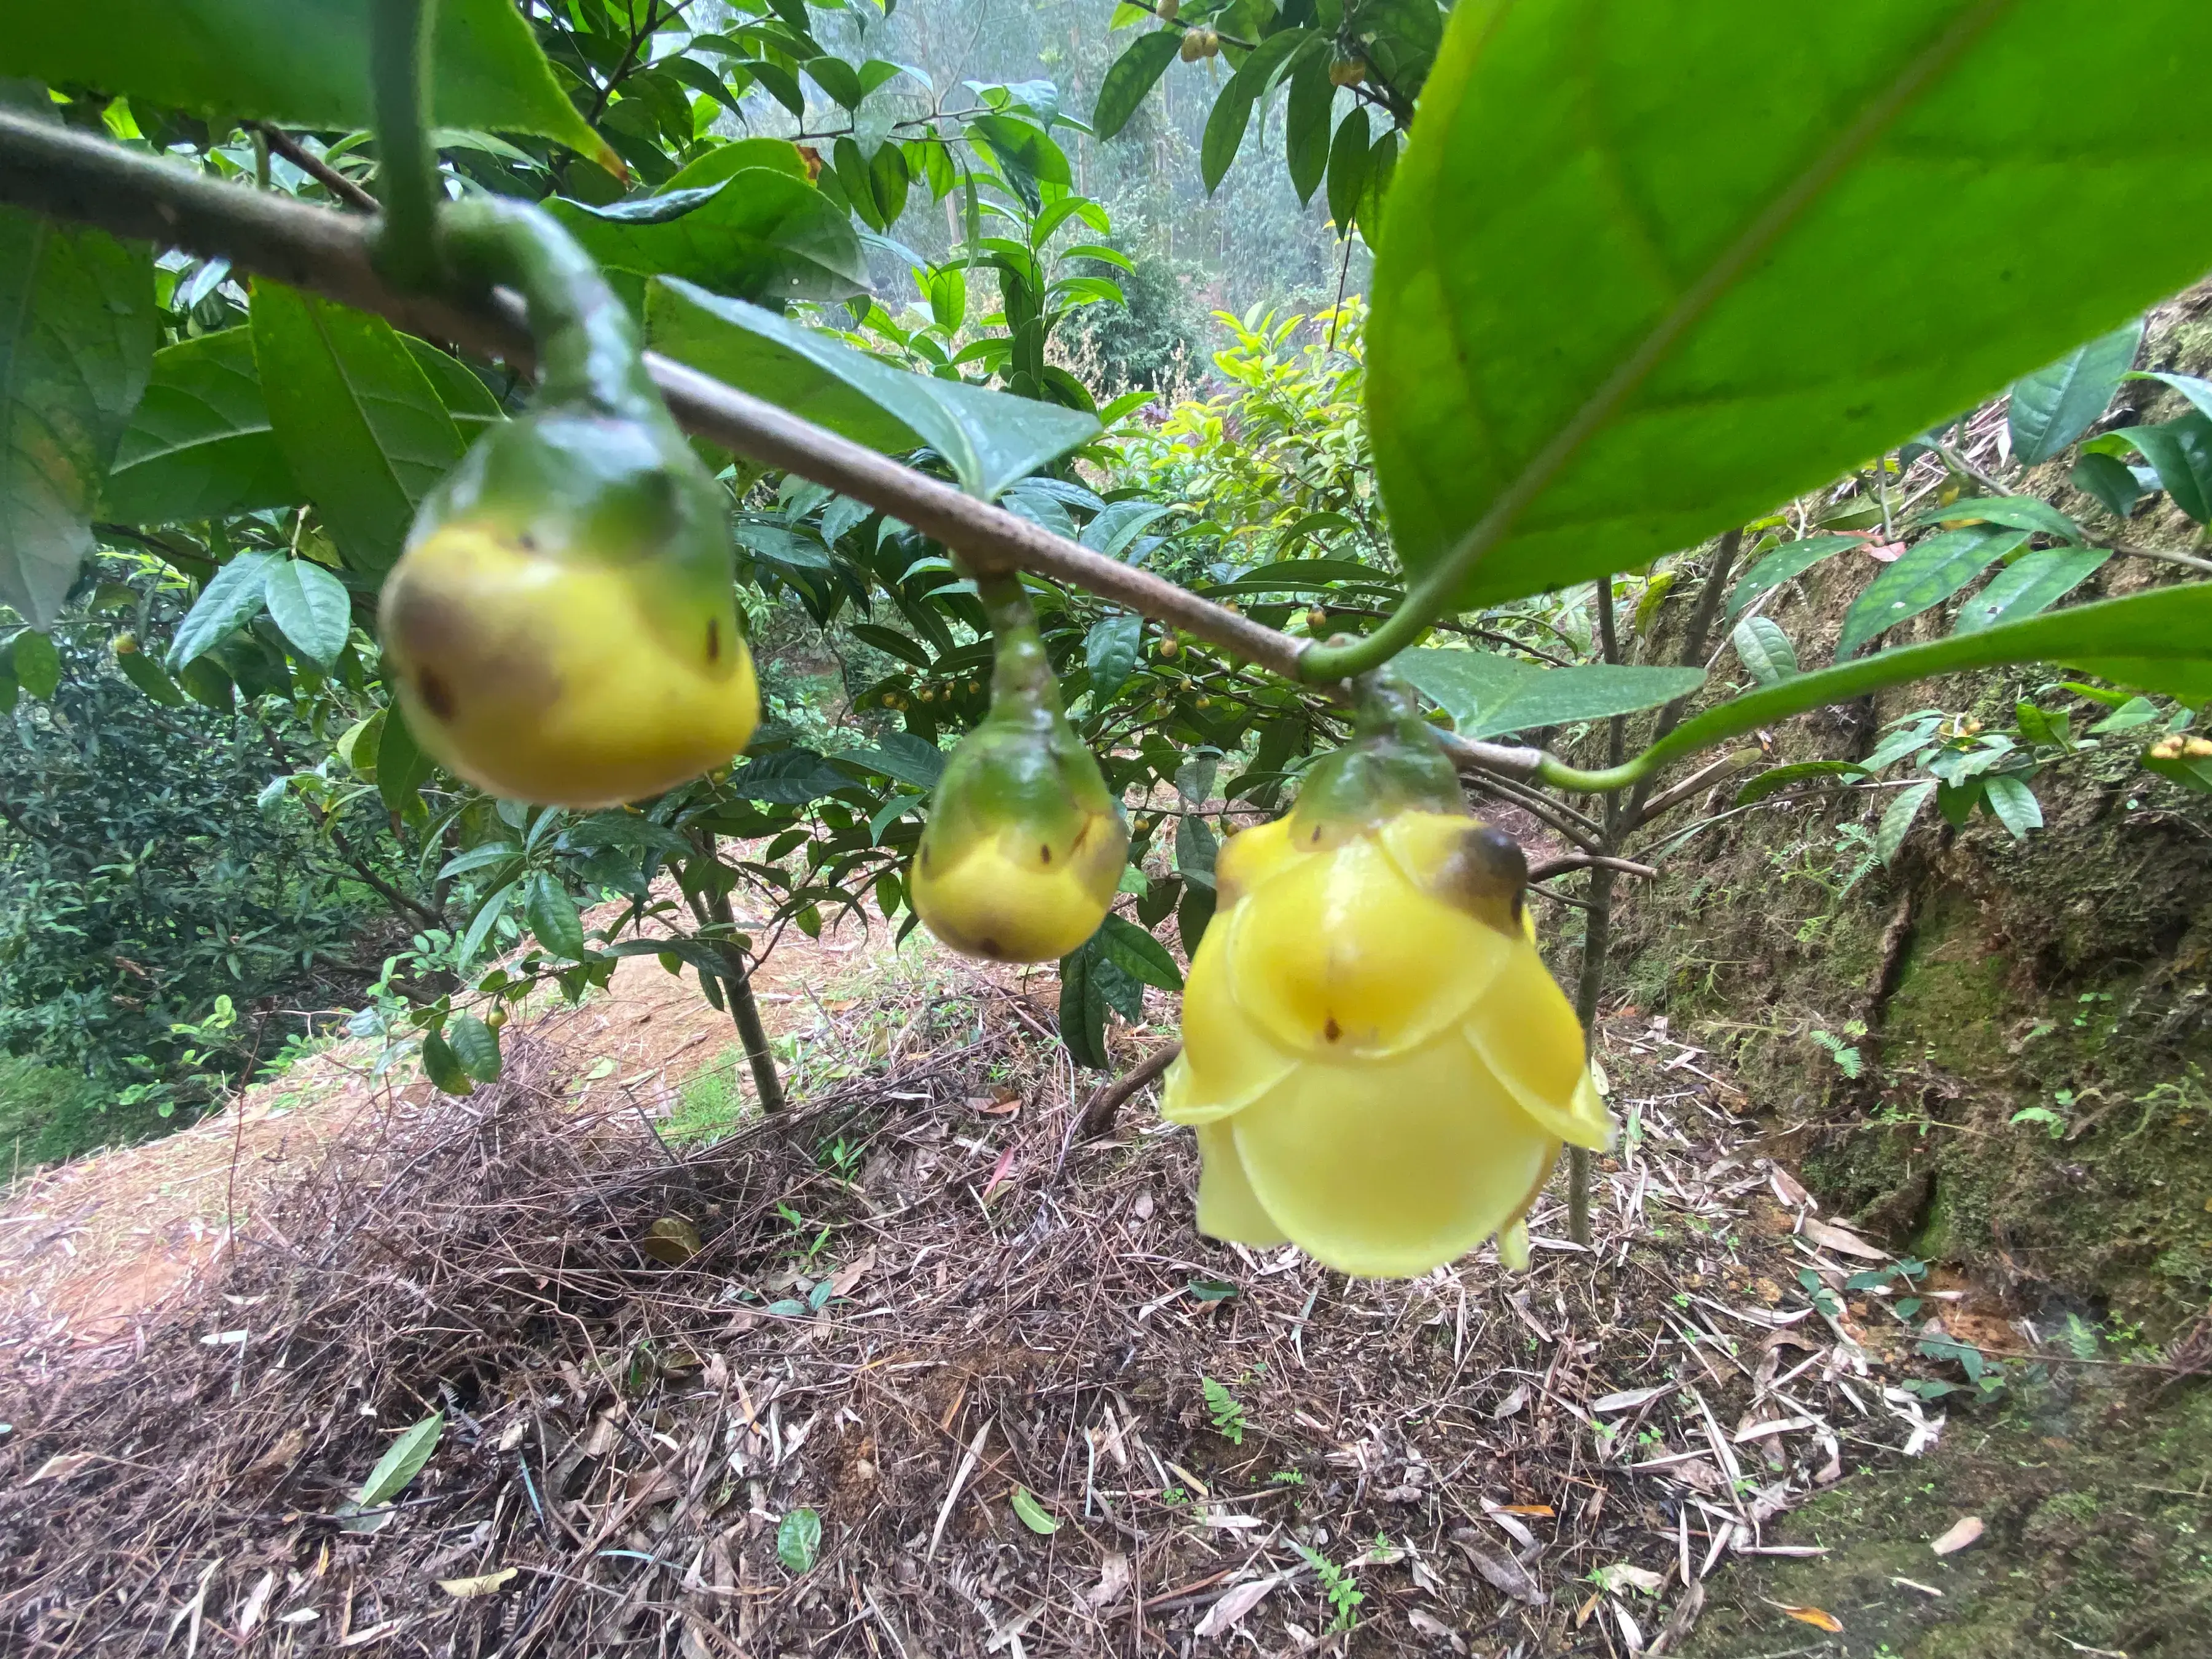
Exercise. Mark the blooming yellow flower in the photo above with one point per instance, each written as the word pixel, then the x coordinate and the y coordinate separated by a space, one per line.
pixel 1378 1066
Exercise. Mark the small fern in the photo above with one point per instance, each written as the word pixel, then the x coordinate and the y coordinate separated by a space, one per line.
pixel 1226 1411
pixel 1336 1584
pixel 1846 1056
pixel 2080 1337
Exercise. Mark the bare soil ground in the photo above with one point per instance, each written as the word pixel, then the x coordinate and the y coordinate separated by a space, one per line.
pixel 976 1347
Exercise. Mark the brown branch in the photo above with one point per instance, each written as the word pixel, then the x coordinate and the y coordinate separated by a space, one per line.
pixel 1560 866
pixel 1735 760
pixel 1098 1115
pixel 341 187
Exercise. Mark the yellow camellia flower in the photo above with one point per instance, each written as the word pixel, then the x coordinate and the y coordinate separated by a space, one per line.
pixel 1378 1066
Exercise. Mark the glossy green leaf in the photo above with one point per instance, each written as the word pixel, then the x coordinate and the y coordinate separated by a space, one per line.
pixel 902 757
pixel 2181 451
pixel 991 439
pixel 312 606
pixel 475 1045
pixel 1347 168
pixel 481 924
pixel 2032 583
pixel 1925 575
pixel 1118 525
pixel 1231 115
pixel 1776 779
pixel 1785 563
pixel 2159 642
pixel 725 161
pixel 466 398
pixel 1764 650
pixel 759 235
pixel 1132 75
pixel 1622 306
pixel 199 445
pixel 2052 407
pixel 1897 820
pixel 2110 481
pixel 2030 513
pixel 1486 693
pixel 401 1462
pixel 364 432
pixel 402 768
pixel 233 597
pixel 1110 651
pixel 34 664
pixel 77 345
pixel 2014 805
pixel 1306 124
pixel 2194 387
pixel 262 58
pixel 142 672
pixel 1137 953
pixel 552 917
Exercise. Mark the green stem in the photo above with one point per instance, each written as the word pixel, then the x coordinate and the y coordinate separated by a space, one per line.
pixel 588 346
pixel 407 181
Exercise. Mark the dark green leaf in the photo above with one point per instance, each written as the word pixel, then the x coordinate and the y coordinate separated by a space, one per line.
pixel 1110 651
pixel 759 235
pixel 444 1068
pixel 1119 524
pixel 2033 582
pixel 1306 124
pixel 2194 387
pixel 76 344
pixel 466 398
pixel 2160 641
pixel 838 78
pixel 1195 850
pixel 1487 694
pixel 898 645
pixel 1601 339
pixel 2010 512
pixel 1347 168
pixel 402 768
pixel 1130 78
pixel 552 917
pixel 903 757
pixel 1193 914
pixel 34 664
pixel 2052 407
pixel 199 445
pixel 1776 779
pixel 234 595
pixel 2181 451
pixel 1225 127
pixel 1925 575
pixel 791 778
pixel 1764 650
pixel 2013 804
pixel 1785 563
pixel 364 433
pixel 2109 479
pixel 142 672
pixel 260 58
pixel 990 439
pixel 475 1045
pixel 312 606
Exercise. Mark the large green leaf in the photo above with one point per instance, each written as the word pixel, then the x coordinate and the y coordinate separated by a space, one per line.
pixel 2033 582
pixel 366 434
pixel 200 445
pixel 1928 573
pixel 279 60
pixel 1486 693
pixel 1130 78
pixel 2052 407
pixel 312 606
pixel 2158 641
pixel 759 235
pixel 77 341
pixel 990 439
pixel 1651 268
pixel 1785 563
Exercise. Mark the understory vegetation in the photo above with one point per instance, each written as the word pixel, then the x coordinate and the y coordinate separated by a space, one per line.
pixel 1802 564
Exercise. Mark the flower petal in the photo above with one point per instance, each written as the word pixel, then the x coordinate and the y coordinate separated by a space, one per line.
pixel 1227 1062
pixel 1530 1038
pixel 995 899
pixel 1249 858
pixel 1386 1169
pixel 1227 1208
pixel 1341 956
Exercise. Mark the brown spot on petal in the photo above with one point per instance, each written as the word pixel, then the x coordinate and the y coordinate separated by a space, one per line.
pixel 1044 854
pixel 437 696
pixel 1485 875
pixel 1332 1031
pixel 714 640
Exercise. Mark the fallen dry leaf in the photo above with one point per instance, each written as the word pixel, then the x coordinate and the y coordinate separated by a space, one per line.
pixel 1961 1532
pixel 1829 1237
pixel 1512 1403
pixel 1113 1581
pixel 673 1240
pixel 1815 1617
pixel 1229 1610
pixel 489 1583
pixel 61 1466
pixel 1503 1573
pixel 1886 553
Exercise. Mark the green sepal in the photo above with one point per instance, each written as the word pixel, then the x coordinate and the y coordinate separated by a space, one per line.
pixel 1393 764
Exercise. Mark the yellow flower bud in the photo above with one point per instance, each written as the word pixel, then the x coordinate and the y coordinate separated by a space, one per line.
pixel 1378 1064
